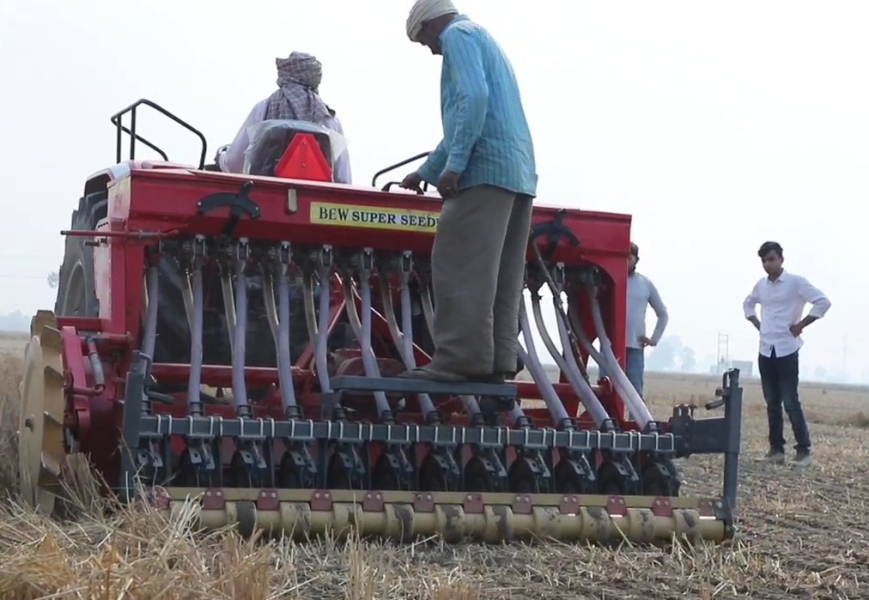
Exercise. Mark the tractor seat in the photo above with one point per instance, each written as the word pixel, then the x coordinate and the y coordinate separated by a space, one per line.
pixel 270 139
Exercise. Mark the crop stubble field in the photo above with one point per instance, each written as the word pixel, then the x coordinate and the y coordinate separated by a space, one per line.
pixel 801 534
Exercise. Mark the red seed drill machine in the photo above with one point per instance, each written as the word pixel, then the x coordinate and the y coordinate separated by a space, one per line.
pixel 235 339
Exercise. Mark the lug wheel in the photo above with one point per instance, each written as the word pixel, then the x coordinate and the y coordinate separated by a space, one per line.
pixel 41 452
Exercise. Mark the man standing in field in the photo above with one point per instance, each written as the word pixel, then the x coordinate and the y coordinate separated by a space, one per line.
pixel 485 171
pixel 782 297
pixel 642 293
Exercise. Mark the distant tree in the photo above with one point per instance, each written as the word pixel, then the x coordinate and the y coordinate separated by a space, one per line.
pixel 663 357
pixel 14 321
pixel 676 343
pixel 689 359
pixel 53 279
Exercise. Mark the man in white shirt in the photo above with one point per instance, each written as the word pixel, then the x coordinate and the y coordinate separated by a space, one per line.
pixel 782 297
pixel 642 293
pixel 297 98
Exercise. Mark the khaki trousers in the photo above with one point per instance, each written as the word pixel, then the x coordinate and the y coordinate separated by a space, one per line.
pixel 478 275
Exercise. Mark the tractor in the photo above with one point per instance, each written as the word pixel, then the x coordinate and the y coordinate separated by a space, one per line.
pixel 234 340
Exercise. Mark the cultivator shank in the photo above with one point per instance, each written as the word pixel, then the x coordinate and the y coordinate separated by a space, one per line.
pixel 326 290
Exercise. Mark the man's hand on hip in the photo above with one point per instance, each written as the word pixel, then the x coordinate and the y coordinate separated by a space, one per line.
pixel 796 329
pixel 448 184
pixel 645 341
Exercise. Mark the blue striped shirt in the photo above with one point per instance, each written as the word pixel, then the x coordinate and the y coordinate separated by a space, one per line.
pixel 486 135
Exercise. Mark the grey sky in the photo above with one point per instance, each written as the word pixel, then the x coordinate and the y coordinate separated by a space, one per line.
pixel 716 125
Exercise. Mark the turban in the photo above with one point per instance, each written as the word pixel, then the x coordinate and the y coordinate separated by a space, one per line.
pixel 426 10
pixel 301 69
pixel 299 77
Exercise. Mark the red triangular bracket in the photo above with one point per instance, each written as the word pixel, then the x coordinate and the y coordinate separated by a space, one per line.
pixel 303 159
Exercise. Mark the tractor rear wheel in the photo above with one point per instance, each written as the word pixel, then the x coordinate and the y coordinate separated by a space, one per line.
pixel 76 297
pixel 173 330
pixel 76 290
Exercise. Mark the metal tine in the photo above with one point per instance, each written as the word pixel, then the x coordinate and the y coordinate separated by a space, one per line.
pixel 239 387
pixel 187 297
pixel 553 403
pixel 285 372
pixel 403 337
pixel 566 360
pixel 279 322
pixel 567 363
pixel 228 302
pixel 269 304
pixel 321 354
pixel 249 450
pixel 532 362
pixel 308 301
pixel 149 338
pixel 607 359
pixel 556 289
pixel 194 282
pixel 362 327
pixel 152 285
pixel 624 387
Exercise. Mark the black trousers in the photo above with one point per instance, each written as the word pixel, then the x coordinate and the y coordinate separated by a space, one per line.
pixel 779 377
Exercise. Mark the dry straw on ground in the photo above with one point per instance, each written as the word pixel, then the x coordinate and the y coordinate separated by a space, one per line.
pixel 802 535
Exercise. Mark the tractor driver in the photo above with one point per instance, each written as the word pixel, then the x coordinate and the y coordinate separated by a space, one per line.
pixel 484 169
pixel 297 98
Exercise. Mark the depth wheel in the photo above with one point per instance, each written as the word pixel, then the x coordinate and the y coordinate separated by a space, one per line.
pixel 658 481
pixel 288 473
pixel 384 476
pixel 41 451
pixel 611 482
pixel 477 477
pixel 241 475
pixel 190 474
pixel 521 478
pixel 431 476
pixel 568 481
pixel 338 476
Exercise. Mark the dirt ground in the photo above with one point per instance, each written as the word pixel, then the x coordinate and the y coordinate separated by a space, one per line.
pixel 801 535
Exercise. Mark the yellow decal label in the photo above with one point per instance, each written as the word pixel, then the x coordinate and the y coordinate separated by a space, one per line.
pixel 348 215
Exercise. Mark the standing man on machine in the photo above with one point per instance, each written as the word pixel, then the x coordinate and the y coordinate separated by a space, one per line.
pixel 782 297
pixel 484 169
